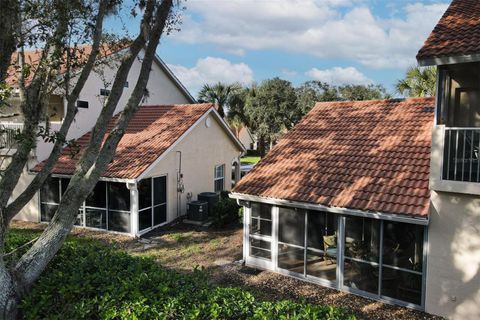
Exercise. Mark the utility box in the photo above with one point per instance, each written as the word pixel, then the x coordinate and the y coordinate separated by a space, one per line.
pixel 211 198
pixel 197 211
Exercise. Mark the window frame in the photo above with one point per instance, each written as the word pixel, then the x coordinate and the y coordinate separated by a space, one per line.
pixel 153 205
pixel 385 271
pixel 219 178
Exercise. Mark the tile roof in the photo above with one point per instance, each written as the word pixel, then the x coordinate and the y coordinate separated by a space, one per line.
pixel 456 34
pixel 152 130
pixel 365 155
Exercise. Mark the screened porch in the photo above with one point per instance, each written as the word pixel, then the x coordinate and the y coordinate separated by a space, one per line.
pixel 376 258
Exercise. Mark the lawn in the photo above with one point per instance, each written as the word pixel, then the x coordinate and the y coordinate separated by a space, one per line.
pixel 250 160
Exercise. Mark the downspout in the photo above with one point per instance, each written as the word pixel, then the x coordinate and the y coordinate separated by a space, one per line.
pixel 180 185
pixel 132 186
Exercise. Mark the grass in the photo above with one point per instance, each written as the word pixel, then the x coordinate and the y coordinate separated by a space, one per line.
pixel 250 160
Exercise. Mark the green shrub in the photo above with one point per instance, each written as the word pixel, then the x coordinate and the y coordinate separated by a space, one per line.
pixel 88 280
pixel 226 211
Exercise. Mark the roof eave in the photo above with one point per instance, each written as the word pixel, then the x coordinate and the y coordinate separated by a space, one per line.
pixel 424 221
pixel 444 60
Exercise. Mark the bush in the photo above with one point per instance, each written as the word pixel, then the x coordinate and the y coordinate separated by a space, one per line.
pixel 88 280
pixel 226 211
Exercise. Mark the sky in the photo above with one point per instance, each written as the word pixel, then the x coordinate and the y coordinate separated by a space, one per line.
pixel 335 41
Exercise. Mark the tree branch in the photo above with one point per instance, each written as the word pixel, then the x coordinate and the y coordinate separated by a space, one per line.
pixel 14 207
pixel 32 263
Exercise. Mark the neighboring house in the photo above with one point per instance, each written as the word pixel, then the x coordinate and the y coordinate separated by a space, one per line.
pixel 159 140
pixel 163 88
pixel 247 138
pixel 361 197
pixel 167 156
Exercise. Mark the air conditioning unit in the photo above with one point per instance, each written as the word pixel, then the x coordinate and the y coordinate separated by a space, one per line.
pixel 197 211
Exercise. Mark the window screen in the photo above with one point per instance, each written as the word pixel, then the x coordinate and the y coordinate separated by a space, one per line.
pixel 118 196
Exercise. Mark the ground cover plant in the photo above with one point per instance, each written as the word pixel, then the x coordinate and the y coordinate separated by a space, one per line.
pixel 90 280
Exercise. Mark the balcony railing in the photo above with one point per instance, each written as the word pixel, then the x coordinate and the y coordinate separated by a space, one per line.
pixel 8 134
pixel 461 154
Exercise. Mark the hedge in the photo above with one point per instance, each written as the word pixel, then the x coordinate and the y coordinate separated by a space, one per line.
pixel 89 280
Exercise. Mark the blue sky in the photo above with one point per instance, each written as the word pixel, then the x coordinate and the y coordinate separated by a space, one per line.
pixel 336 41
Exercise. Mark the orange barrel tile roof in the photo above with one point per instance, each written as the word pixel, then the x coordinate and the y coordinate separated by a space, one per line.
pixel 456 34
pixel 152 130
pixel 366 155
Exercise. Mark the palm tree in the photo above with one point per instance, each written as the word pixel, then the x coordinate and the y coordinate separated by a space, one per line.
pixel 418 82
pixel 221 94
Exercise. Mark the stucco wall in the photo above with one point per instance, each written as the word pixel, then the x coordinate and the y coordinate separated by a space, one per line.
pixel 453 265
pixel 202 149
pixel 245 138
pixel 31 210
pixel 160 88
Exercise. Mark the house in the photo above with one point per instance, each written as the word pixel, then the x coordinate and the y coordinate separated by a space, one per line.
pixel 247 138
pixel 163 88
pixel 342 200
pixel 382 198
pixel 168 155
pixel 174 147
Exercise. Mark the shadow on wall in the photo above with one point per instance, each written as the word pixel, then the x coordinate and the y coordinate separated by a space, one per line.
pixel 453 275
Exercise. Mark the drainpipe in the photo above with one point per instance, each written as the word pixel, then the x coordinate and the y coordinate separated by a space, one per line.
pixel 180 185
pixel 132 186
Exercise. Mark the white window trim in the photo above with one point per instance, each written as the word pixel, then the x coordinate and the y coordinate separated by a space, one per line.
pixel 215 178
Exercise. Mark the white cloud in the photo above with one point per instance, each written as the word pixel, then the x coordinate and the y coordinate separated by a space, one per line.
pixel 211 70
pixel 315 27
pixel 339 76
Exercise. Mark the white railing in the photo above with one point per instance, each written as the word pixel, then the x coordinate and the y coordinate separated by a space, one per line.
pixel 461 154
pixel 8 134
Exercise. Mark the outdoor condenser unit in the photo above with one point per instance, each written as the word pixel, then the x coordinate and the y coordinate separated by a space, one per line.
pixel 197 210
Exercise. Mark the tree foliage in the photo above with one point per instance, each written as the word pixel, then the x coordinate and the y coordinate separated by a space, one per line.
pixel 418 82
pixel 274 106
pixel 221 94
pixel 55 28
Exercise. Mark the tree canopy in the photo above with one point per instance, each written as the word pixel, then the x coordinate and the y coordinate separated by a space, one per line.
pixel 221 94
pixel 418 82
pixel 55 28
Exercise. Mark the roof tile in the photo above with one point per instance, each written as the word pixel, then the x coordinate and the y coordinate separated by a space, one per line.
pixel 364 155
pixel 151 131
pixel 456 34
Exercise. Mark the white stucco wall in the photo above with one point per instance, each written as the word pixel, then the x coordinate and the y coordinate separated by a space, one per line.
pixel 453 265
pixel 160 87
pixel 202 149
pixel 246 139
pixel 31 210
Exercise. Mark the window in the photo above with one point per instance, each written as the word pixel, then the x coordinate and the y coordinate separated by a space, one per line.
pixel 50 196
pixel 104 92
pixel 362 246
pixel 261 231
pixel 219 178
pixel 377 258
pixel 402 261
pixel 55 109
pixel 291 239
pixel 82 104
pixel 152 194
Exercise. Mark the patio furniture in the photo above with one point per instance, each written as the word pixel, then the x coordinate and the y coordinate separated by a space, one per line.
pixel 330 248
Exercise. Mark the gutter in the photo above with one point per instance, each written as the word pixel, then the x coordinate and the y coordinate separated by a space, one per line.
pixel 244 199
